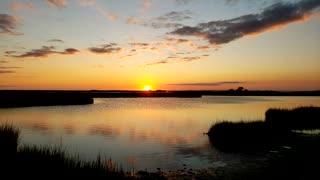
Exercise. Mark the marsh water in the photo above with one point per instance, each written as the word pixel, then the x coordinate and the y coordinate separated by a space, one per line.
pixel 144 133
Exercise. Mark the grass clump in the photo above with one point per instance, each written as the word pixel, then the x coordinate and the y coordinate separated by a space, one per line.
pixel 44 162
pixel 274 131
pixel 301 118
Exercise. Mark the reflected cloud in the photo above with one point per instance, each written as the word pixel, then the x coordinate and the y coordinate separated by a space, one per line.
pixel 103 130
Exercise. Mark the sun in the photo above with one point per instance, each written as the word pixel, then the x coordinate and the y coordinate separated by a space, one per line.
pixel 147 88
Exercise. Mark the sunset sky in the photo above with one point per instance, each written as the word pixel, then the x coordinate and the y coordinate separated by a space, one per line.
pixel 166 44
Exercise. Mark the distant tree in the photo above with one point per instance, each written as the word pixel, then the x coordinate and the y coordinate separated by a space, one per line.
pixel 240 89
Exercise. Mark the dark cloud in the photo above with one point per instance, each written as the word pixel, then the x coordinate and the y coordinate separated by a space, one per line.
pixel 69 51
pixel 44 51
pixel 157 63
pixel 10 52
pixel 56 40
pixel 176 16
pixel 106 49
pixel 138 44
pixel 176 40
pixel 274 16
pixel 3 61
pixel 6 71
pixel 8 23
pixel 207 84
pixel 57 3
pixel 158 25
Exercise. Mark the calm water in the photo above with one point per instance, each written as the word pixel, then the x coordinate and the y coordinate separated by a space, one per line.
pixel 144 133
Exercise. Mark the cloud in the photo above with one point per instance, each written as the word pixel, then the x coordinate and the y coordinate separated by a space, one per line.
pixel 157 63
pixel 10 52
pixel 9 67
pixel 69 51
pixel 6 71
pixel 105 49
pixel 180 2
pixel 57 3
pixel 189 59
pixel 176 16
pixel 112 16
pixel 146 3
pixel 21 6
pixel 56 40
pixel 3 61
pixel 132 20
pixel 87 3
pixel 158 25
pixel 176 40
pixel 45 51
pixel 8 23
pixel 139 44
pixel 272 17
pixel 207 84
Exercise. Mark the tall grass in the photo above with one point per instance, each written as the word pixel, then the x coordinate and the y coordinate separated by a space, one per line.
pixel 9 139
pixel 301 118
pixel 48 162
pixel 274 131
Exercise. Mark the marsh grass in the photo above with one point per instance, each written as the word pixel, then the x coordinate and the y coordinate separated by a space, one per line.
pixel 300 118
pixel 9 139
pixel 246 136
pixel 275 131
pixel 47 162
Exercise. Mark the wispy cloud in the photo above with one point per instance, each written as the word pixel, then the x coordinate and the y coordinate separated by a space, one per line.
pixel 18 6
pixel 57 3
pixel 87 3
pixel 272 17
pixel 158 25
pixel 8 24
pixel 112 16
pixel 183 1
pixel 56 40
pixel 139 44
pixel 176 16
pixel 6 71
pixel 146 3
pixel 189 59
pixel 157 63
pixel 9 67
pixel 132 20
pixel 45 51
pixel 106 49
pixel 207 84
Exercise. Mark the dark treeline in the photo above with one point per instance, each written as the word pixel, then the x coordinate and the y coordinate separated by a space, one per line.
pixel 26 98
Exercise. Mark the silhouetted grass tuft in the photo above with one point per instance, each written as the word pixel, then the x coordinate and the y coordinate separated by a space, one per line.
pixel 9 139
pixel 245 136
pixel 301 118
pixel 275 131
pixel 47 162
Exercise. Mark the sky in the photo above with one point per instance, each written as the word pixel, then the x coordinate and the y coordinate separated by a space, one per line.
pixel 166 44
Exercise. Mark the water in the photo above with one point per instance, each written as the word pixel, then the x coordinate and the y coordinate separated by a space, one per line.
pixel 144 133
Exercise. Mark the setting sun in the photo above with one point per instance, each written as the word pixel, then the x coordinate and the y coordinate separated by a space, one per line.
pixel 147 88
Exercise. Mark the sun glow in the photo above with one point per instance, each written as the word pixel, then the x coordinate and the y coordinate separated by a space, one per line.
pixel 147 88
